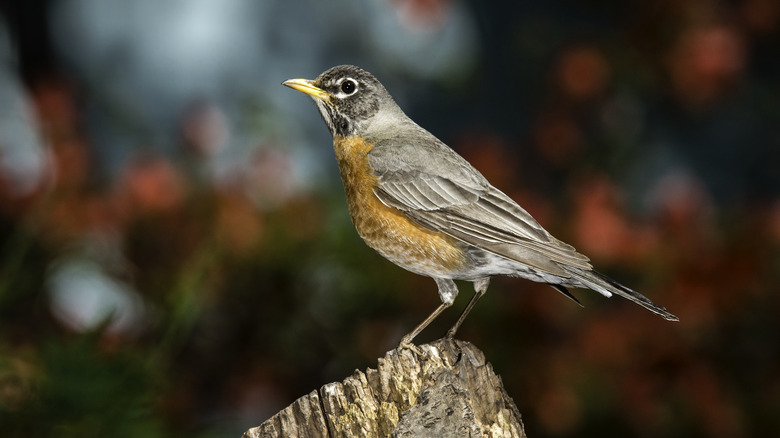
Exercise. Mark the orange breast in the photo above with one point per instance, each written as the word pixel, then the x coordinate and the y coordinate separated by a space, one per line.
pixel 388 230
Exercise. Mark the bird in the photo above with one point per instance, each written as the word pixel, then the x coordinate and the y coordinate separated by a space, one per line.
pixel 425 208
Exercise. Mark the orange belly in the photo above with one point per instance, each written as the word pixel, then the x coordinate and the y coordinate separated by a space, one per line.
pixel 388 230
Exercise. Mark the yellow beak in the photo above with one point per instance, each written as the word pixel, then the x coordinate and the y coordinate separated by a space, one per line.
pixel 305 86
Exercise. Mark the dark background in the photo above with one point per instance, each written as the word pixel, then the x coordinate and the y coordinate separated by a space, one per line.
pixel 175 253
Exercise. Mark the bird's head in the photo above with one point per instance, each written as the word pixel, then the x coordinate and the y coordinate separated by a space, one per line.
pixel 348 97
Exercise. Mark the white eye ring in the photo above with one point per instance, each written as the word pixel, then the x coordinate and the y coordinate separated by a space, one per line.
pixel 347 87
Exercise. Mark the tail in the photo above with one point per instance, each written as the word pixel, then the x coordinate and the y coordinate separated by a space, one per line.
pixel 607 286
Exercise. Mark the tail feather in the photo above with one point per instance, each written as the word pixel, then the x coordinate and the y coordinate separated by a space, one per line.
pixel 566 292
pixel 607 286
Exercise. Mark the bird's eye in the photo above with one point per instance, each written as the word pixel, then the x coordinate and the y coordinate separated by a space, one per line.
pixel 348 86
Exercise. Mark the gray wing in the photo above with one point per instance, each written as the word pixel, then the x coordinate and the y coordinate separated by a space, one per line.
pixel 448 195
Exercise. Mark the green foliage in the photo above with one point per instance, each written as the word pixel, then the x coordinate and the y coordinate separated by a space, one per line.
pixel 78 390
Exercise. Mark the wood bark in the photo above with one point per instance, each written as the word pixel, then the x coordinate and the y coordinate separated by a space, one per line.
pixel 441 389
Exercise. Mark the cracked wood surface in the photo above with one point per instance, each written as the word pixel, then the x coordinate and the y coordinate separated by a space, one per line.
pixel 441 389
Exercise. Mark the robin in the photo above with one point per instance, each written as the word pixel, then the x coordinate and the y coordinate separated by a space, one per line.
pixel 426 209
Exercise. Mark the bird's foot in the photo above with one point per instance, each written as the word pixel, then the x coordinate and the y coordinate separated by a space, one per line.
pixel 451 333
pixel 406 343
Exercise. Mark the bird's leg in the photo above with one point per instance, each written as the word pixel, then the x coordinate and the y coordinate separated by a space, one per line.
pixel 480 287
pixel 448 290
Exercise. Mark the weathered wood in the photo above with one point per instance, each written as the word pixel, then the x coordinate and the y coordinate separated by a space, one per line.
pixel 442 389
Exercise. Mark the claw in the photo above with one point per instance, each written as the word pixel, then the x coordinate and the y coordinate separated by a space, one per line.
pixel 406 343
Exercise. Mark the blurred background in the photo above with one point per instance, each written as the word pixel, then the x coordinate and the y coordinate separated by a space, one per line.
pixel 176 257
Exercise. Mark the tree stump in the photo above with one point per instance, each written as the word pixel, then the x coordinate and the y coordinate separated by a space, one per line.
pixel 441 389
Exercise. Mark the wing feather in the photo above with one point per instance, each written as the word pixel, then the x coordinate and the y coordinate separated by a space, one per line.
pixel 450 196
